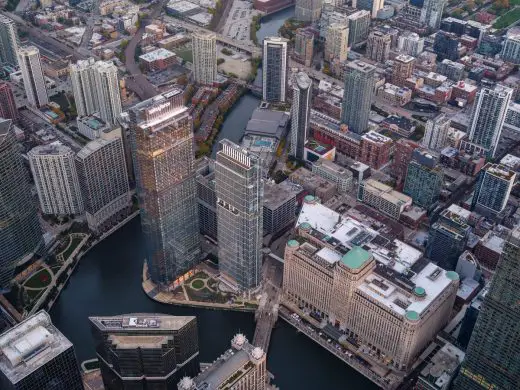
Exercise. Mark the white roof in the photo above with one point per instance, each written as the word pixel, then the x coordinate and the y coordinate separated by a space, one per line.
pixel 329 255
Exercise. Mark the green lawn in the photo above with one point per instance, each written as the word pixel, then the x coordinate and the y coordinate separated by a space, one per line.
pixel 197 284
pixel 185 54
pixel 508 18
pixel 514 2
pixel 34 294
pixel 40 279
pixel 73 245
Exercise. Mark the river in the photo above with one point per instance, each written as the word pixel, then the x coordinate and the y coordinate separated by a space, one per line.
pixel 108 282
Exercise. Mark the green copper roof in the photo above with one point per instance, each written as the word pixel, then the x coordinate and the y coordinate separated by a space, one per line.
pixel 293 243
pixel 309 198
pixel 412 315
pixel 355 258
pixel 419 291
pixel 452 275
pixel 305 225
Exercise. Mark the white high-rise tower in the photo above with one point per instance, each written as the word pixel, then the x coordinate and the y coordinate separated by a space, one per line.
pixel 300 113
pixel 8 41
pixel 32 74
pixel 204 57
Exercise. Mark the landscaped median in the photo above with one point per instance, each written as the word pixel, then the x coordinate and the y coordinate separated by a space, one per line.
pixel 507 19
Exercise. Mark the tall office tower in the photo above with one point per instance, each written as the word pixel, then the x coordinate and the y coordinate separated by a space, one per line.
pixel 145 351
pixel 243 366
pixel 33 78
pixel 103 180
pixel 448 236
pixel 403 68
pixel 488 116
pixel 436 135
pixel 358 95
pixel 8 108
pixel 161 134
pixel 207 197
pixel 107 87
pixel 83 86
pixel 511 48
pixel 431 13
pixel 300 113
pixel 492 189
pixel 492 356
pixel 204 57
pixel 446 45
pixel 373 6
pixel 402 156
pixel 56 179
pixel 35 355
pixel 8 41
pixel 308 10
pixel 238 181
pixel 358 27
pixel 336 45
pixel 423 179
pixel 378 46
pixel 303 46
pixel 274 69
pixel 410 43
pixel 21 233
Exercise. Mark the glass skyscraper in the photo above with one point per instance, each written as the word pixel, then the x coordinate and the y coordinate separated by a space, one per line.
pixel 161 136
pixel 274 69
pixel 493 355
pixel 357 98
pixel 301 110
pixel 239 187
pixel 20 231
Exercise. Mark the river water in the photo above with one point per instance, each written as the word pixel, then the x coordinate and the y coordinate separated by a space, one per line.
pixel 107 281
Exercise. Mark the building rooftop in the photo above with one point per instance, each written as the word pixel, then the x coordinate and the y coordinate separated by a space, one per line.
pixel 29 345
pixel 442 366
pixel 375 137
pixel 265 122
pixel 404 58
pixel 139 322
pixel 361 66
pixel 387 192
pixel 356 257
pixel 275 195
pixel 55 148
pixel 510 161
pixel 334 168
pixel 158 54
pixel 500 171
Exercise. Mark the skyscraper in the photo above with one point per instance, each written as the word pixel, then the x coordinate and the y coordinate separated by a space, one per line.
pixel 357 98
pixel 95 86
pixel 300 113
pixel 436 134
pixel 307 10
pixel 103 180
pixel 21 233
pixel 358 26
pixel 8 41
pixel 161 135
pixel 274 69
pixel 488 116
pixel 8 108
pixel 33 78
pixel 56 179
pixel 403 68
pixel 448 236
pixel 410 43
pixel 336 45
pixel 303 46
pixel 204 57
pixel 145 351
pixel 239 186
pixel 369 5
pixel 423 179
pixel 492 358
pixel 492 189
pixel 431 13
pixel 244 366
pixel 35 355
pixel 378 46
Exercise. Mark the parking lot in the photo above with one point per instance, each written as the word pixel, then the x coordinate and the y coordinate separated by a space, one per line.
pixel 238 23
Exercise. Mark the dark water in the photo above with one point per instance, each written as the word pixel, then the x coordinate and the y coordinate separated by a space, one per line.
pixel 236 120
pixel 271 23
pixel 108 281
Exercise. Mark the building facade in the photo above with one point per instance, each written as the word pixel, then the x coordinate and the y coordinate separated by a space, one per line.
pixel 383 198
pixel 56 179
pixel 403 68
pixel 487 117
pixel 274 69
pixel 303 46
pixel 431 13
pixel 335 173
pixel 491 361
pixel 204 57
pixel 378 46
pixel 83 86
pixel 358 95
pixel 402 156
pixel 308 10
pixel 9 42
pixel 352 288
pixel 423 179
pixel 8 108
pixel 21 234
pixel 242 367
pixel 161 134
pixel 239 187
pixel 279 208
pixel 411 44
pixel 511 49
pixel 35 355
pixel 375 149
pixel 373 6
pixel 144 351
pixel 336 45
pixel 103 180
pixel 492 189
pixel 358 27
pixel 207 198
pixel 300 113
pixel 33 78
pixel 436 134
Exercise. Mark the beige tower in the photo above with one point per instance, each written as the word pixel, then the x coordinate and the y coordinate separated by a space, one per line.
pixel 205 57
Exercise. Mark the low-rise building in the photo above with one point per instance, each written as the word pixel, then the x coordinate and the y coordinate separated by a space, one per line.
pixel 394 94
pixel 489 248
pixel 279 209
pixel 314 184
pixel 375 149
pixel 441 369
pixel 159 59
pixel 335 173
pixel 383 198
